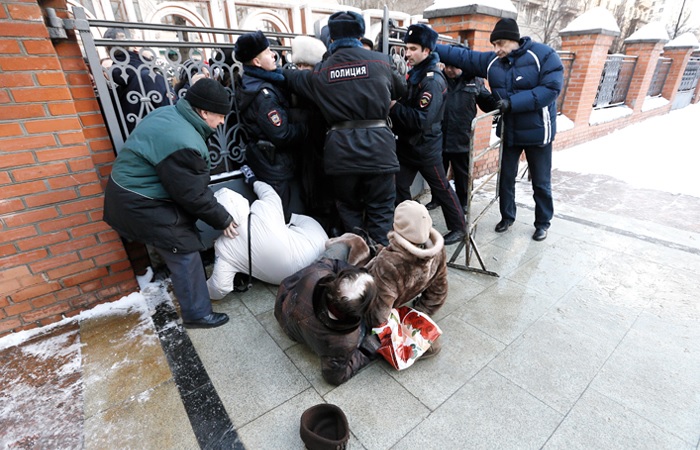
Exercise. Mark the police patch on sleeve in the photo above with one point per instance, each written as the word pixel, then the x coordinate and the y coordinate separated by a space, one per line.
pixel 274 118
pixel 425 99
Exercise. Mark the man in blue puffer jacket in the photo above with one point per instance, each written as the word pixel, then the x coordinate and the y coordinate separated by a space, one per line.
pixel 526 78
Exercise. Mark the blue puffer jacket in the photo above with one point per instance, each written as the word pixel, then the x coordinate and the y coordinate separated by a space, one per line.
pixel 530 77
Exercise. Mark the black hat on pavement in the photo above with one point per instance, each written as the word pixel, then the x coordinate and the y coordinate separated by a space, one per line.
pixel 324 427
pixel 346 24
pixel 506 29
pixel 422 35
pixel 250 45
pixel 209 95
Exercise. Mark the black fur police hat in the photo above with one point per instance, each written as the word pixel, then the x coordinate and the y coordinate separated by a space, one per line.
pixel 346 24
pixel 422 35
pixel 209 95
pixel 506 29
pixel 250 45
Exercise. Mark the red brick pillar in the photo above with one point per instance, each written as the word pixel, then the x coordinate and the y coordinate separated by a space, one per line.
pixel 473 24
pixel 647 53
pixel 591 49
pixel 57 256
pixel 679 56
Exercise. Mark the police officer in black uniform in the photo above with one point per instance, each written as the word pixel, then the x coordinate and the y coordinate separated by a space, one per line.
pixel 417 121
pixel 463 94
pixel 275 140
pixel 353 87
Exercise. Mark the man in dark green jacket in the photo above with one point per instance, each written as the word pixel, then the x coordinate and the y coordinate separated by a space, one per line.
pixel 158 190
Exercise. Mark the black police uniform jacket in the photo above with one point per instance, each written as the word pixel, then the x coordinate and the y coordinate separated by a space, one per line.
pixel 273 138
pixel 353 84
pixel 417 118
pixel 463 95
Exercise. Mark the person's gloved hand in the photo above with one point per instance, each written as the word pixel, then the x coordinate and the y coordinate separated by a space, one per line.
pixel 249 175
pixel 503 105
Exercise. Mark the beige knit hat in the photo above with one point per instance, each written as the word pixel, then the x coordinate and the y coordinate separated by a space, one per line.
pixel 413 222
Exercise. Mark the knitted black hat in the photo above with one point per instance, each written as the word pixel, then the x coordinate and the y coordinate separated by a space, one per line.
pixel 250 45
pixel 209 95
pixel 422 35
pixel 506 29
pixel 324 427
pixel 346 24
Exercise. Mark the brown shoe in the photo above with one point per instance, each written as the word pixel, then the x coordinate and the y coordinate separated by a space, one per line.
pixel 434 349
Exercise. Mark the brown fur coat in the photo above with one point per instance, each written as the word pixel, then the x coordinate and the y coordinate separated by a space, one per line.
pixel 403 272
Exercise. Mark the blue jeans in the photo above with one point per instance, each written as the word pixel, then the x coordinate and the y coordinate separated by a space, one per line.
pixel 539 161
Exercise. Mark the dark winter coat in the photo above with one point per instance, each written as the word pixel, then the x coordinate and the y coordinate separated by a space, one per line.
pixel 530 77
pixel 158 188
pixel 417 118
pixel 353 84
pixel 300 311
pixel 463 95
pixel 274 138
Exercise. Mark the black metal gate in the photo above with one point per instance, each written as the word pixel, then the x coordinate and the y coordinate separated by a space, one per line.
pixel 689 83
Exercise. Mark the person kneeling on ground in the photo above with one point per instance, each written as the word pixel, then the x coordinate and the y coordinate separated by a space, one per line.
pixel 277 249
pixel 412 266
pixel 323 307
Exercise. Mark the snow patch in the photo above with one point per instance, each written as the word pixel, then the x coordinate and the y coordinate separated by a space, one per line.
pixel 597 18
pixel 653 103
pixel 604 115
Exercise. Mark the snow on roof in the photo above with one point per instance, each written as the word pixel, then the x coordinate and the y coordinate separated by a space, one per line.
pixel 597 18
pixel 684 40
pixel 654 31
pixel 503 5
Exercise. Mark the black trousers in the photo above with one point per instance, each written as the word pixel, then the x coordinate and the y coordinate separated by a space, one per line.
pixel 366 201
pixel 460 174
pixel 440 189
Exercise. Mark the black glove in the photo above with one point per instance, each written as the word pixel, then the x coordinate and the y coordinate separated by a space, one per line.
pixel 503 105
pixel 249 175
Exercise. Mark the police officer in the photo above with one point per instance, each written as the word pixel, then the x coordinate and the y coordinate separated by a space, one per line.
pixel 353 87
pixel 275 140
pixel 463 94
pixel 417 121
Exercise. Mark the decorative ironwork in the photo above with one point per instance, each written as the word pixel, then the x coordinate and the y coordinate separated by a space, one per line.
pixel 160 72
pixel 567 60
pixel 615 81
pixel 689 80
pixel 663 66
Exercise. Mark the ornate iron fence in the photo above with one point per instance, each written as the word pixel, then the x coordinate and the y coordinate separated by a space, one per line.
pixel 567 60
pixel 615 81
pixel 150 65
pixel 689 80
pixel 663 66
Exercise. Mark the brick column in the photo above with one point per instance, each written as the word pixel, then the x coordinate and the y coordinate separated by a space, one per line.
pixel 647 53
pixel 57 256
pixel 591 49
pixel 473 24
pixel 679 57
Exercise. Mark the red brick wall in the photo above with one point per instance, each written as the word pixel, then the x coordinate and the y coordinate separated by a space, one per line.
pixel 57 256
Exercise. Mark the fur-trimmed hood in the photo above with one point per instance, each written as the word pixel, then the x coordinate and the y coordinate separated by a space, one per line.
pixel 432 247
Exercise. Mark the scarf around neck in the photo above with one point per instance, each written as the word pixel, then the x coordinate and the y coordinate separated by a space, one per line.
pixel 267 75
pixel 344 43
pixel 415 75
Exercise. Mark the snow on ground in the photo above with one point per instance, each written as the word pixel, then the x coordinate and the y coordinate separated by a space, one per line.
pixel 659 153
